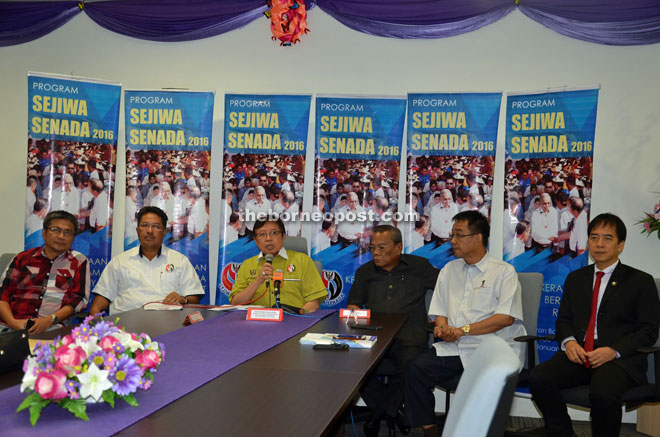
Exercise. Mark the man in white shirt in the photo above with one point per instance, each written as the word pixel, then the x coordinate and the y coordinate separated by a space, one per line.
pixel 350 231
pixel 131 215
pixel 324 238
pixel 441 217
pixel 31 197
pixel 516 246
pixel 258 205
pixel 545 224
pixel 149 272
pixel 232 228
pixel 198 217
pixel 576 228
pixel 289 206
pixel 35 221
pixel 100 212
pixel 475 297
pixel 67 198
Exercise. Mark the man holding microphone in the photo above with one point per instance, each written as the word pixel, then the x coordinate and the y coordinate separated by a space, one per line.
pixel 301 285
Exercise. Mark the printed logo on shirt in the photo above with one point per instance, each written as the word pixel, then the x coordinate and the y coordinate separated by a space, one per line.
pixel 169 268
pixel 290 268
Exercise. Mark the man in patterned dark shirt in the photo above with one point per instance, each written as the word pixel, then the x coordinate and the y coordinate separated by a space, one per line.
pixel 45 284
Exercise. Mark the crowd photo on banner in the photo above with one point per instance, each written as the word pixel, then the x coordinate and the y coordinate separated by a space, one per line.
pixel 348 188
pixel 254 184
pixel 176 181
pixel 71 176
pixel 547 204
pixel 440 187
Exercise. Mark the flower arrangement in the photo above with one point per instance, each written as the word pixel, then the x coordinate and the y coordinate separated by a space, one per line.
pixel 94 363
pixel 651 222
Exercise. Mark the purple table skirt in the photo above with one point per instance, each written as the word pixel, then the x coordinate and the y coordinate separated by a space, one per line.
pixel 194 355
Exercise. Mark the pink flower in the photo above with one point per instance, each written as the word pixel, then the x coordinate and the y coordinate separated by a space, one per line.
pixel 67 340
pixel 67 358
pixel 647 226
pixel 147 359
pixel 51 385
pixel 108 342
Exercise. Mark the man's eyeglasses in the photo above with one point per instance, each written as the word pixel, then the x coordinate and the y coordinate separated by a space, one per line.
pixel 459 236
pixel 380 247
pixel 271 234
pixel 57 231
pixel 154 226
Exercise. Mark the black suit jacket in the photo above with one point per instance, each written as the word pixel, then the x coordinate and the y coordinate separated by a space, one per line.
pixel 628 316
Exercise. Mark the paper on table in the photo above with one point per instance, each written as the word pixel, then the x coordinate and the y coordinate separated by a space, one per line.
pixel 235 307
pixel 157 306
pixel 360 342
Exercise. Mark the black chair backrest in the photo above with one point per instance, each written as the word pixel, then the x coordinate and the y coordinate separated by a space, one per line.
pixel 650 372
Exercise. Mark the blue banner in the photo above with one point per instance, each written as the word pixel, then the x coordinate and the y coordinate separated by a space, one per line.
pixel 358 150
pixel 72 148
pixel 451 158
pixel 168 163
pixel 265 142
pixel 548 171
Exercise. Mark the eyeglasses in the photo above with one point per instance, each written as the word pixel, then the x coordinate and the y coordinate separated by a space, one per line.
pixel 459 236
pixel 154 226
pixel 271 234
pixel 380 247
pixel 57 231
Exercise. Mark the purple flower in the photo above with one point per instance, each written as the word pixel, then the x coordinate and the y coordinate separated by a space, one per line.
pixel 81 331
pixel 145 383
pixel 72 386
pixel 126 377
pixel 118 348
pixel 102 329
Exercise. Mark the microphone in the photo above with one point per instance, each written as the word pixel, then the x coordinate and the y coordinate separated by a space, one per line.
pixel 269 259
pixel 278 277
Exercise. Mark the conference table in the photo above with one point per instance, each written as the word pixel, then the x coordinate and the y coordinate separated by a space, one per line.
pixel 290 389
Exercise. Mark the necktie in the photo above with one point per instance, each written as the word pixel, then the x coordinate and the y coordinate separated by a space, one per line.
pixel 591 328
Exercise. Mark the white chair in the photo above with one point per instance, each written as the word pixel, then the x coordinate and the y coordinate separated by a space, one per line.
pixel 483 398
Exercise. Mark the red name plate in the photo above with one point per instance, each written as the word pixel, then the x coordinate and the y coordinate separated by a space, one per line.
pixel 193 318
pixel 356 314
pixel 265 314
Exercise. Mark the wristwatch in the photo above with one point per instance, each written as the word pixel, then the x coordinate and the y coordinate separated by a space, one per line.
pixel 466 329
pixel 55 319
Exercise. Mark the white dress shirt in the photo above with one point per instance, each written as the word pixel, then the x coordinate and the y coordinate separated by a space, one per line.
pixel 131 280
pixel 471 293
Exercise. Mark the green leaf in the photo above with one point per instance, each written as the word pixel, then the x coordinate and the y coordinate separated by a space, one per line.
pixel 130 400
pixel 34 397
pixel 35 410
pixel 77 407
pixel 109 397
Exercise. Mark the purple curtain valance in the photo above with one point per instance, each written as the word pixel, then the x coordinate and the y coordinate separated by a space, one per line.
pixel 25 21
pixel 615 22
pixel 174 20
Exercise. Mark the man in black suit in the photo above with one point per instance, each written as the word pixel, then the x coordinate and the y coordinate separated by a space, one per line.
pixel 600 351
